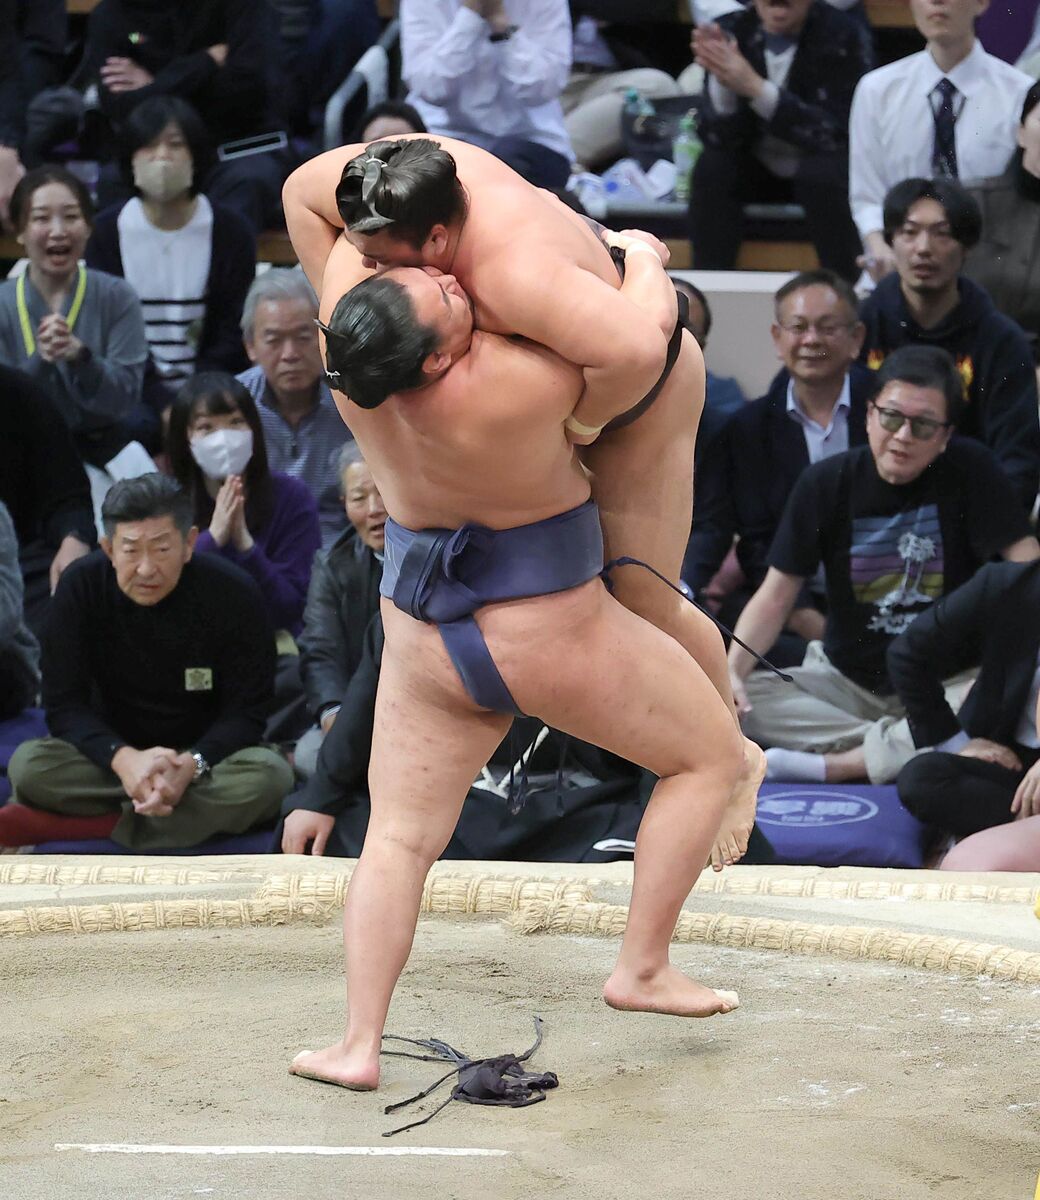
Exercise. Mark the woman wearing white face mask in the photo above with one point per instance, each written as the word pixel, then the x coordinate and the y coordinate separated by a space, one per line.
pixel 190 262
pixel 265 522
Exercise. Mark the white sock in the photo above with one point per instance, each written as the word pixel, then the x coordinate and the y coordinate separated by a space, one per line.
pixel 795 766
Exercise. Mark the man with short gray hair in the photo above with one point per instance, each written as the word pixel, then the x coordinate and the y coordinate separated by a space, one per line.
pixel 303 429
pixel 342 599
pixel 158 671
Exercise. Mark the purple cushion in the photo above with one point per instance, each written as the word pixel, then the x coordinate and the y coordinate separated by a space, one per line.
pixel 27 725
pixel 840 824
pixel 257 841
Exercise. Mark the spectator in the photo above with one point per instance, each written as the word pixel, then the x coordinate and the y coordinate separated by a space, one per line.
pixel 44 488
pixel 320 41
pixel 815 408
pixel 930 226
pixel 984 769
pixel 258 519
pixel 343 598
pixel 19 650
pixel 947 111
pixel 157 673
pixel 1006 260
pixel 897 524
pixel 388 119
pixel 491 72
pixel 219 56
pixel 775 125
pixel 78 332
pixel 723 396
pixel 605 66
pixel 190 263
pixel 32 49
pixel 303 428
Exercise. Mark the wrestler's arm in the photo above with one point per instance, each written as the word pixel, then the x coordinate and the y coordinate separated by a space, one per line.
pixel 311 216
pixel 621 349
pixel 646 283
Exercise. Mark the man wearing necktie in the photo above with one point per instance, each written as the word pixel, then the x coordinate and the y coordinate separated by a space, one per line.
pixel 950 111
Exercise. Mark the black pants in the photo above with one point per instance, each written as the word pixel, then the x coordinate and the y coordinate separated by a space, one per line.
pixel 960 795
pixel 724 180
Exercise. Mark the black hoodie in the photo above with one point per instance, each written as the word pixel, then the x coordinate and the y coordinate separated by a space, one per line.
pixel 994 359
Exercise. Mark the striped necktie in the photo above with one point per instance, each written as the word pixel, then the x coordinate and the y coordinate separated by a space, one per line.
pixel 945 110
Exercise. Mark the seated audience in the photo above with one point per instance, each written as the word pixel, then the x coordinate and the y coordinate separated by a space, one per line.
pixel 931 225
pixel 260 520
pixel 343 598
pixel 814 409
pixel 1006 260
pixel 45 490
pixel 33 37
pixel 157 667
pixel 222 58
pixel 896 524
pixel 388 119
pixel 303 429
pixel 949 110
pixel 19 650
pixel 78 332
pixel 191 263
pixel 606 64
pixel 492 76
pixel 775 125
pixel 985 768
pixel 723 396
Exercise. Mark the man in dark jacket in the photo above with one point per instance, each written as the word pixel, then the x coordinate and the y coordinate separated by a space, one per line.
pixel 775 125
pixel 219 55
pixel 342 599
pixel 45 489
pixel 986 763
pixel 931 225
pixel 815 408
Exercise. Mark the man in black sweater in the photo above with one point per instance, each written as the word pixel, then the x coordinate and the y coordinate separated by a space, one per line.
pixel 45 489
pixel 158 670
pixel 931 225
pixel 985 768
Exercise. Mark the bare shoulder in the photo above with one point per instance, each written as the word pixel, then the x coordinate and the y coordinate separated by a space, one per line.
pixel 343 270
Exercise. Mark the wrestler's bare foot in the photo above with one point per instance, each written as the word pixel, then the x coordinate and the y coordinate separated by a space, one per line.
pixel 356 1070
pixel 667 991
pixel 738 819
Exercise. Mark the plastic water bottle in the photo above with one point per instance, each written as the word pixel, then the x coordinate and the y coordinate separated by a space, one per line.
pixel 686 149
pixel 638 105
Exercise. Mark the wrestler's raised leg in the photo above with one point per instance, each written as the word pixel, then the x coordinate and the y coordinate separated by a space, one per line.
pixel 643 484
pixel 428 745
pixel 620 683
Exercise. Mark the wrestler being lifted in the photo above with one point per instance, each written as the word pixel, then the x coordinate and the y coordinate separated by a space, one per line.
pixel 511 616
pixel 533 267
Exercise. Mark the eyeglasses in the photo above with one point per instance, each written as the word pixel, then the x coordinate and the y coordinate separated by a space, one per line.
pixel 921 428
pixel 828 330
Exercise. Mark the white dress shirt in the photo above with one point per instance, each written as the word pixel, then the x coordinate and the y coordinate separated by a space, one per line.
pixel 466 86
pixel 892 130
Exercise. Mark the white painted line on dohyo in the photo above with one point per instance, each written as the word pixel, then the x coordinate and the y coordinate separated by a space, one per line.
pixel 375 1151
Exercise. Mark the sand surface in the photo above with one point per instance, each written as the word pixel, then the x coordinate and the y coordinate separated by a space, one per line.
pixel 835 1079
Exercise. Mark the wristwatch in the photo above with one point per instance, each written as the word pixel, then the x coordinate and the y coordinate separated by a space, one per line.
pixel 201 767
pixel 503 35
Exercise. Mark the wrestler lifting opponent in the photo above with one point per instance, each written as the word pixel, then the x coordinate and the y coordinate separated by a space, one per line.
pixel 533 267
pixel 485 443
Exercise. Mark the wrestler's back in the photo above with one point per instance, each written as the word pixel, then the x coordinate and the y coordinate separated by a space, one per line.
pixel 485 443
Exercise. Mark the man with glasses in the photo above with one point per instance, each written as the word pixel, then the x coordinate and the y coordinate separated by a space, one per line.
pixel 815 408
pixel 896 524
pixel 931 225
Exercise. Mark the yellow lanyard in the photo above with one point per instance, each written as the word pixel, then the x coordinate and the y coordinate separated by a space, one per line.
pixel 23 308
